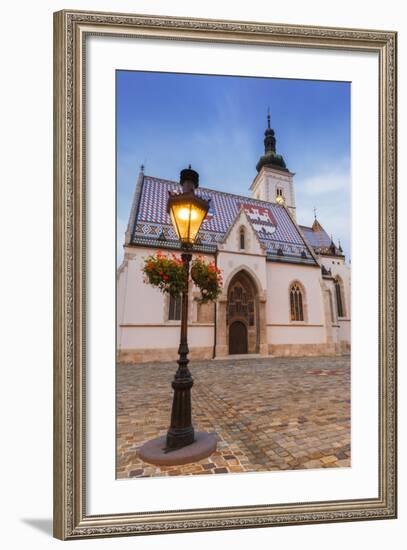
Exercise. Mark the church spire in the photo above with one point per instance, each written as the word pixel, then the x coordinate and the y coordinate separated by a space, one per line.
pixel 270 157
pixel 269 137
pixel 332 247
pixel 316 226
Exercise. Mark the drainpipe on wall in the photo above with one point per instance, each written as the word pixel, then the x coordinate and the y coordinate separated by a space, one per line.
pixel 216 311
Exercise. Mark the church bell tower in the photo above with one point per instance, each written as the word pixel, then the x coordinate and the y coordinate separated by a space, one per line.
pixel 274 182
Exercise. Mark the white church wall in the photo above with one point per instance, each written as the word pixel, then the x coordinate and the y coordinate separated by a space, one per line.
pixel 146 334
pixel 121 283
pixel 344 331
pixel 144 331
pixel 280 276
pixel 140 337
pixel 288 337
pixel 231 258
pixel 230 264
pixel 294 335
pixel 232 241
pixel 342 270
pixel 143 303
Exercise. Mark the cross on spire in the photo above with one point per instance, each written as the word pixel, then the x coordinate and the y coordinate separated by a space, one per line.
pixel 268 117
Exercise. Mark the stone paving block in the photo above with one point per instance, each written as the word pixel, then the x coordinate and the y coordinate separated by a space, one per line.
pixel 312 464
pixel 328 459
pixel 268 414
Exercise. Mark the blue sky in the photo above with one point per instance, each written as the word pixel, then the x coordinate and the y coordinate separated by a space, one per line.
pixel 216 124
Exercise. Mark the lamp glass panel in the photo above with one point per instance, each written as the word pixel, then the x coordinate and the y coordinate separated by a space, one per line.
pixel 197 217
pixel 187 218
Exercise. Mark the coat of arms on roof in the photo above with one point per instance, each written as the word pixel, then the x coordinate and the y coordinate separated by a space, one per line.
pixel 262 218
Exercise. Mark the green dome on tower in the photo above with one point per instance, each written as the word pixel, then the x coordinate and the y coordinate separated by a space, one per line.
pixel 270 157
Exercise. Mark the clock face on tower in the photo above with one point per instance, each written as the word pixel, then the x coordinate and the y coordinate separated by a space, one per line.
pixel 280 199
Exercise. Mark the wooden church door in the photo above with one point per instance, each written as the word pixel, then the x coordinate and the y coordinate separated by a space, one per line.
pixel 237 338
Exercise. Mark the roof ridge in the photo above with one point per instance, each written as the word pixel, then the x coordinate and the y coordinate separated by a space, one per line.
pixel 220 192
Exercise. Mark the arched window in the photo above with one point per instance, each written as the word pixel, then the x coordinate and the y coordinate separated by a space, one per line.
pixel 331 309
pixel 242 239
pixel 339 298
pixel 174 308
pixel 296 303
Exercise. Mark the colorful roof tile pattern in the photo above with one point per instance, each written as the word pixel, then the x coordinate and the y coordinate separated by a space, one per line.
pixel 272 223
pixel 319 239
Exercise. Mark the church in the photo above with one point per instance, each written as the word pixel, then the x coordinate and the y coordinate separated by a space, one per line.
pixel 286 288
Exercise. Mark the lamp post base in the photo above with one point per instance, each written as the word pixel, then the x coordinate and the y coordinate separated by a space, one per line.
pixel 154 451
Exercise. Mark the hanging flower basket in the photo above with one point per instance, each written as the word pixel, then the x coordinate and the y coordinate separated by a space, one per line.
pixel 167 273
pixel 208 277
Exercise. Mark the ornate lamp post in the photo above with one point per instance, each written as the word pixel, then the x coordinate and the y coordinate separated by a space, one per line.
pixel 187 213
pixel 182 444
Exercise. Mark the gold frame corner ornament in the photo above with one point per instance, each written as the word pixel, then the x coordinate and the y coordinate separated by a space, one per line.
pixel 70 31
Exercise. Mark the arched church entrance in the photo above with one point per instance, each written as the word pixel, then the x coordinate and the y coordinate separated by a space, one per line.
pixel 242 315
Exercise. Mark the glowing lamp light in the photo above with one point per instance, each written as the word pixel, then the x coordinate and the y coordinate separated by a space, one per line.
pixel 184 214
pixel 187 211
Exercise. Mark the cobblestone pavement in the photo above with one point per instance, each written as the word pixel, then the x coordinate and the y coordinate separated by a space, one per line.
pixel 268 414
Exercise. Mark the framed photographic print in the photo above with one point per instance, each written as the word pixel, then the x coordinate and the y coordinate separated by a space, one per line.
pixel 225 274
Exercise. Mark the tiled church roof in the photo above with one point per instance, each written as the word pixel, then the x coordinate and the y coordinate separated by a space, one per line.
pixel 274 226
pixel 319 240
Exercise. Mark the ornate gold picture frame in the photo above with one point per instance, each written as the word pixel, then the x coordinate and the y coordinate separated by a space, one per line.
pixel 72 519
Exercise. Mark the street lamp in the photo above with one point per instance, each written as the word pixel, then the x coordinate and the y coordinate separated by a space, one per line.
pixel 187 213
pixel 182 444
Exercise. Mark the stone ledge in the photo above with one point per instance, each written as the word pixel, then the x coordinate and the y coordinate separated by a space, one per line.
pixel 161 354
pixel 309 350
